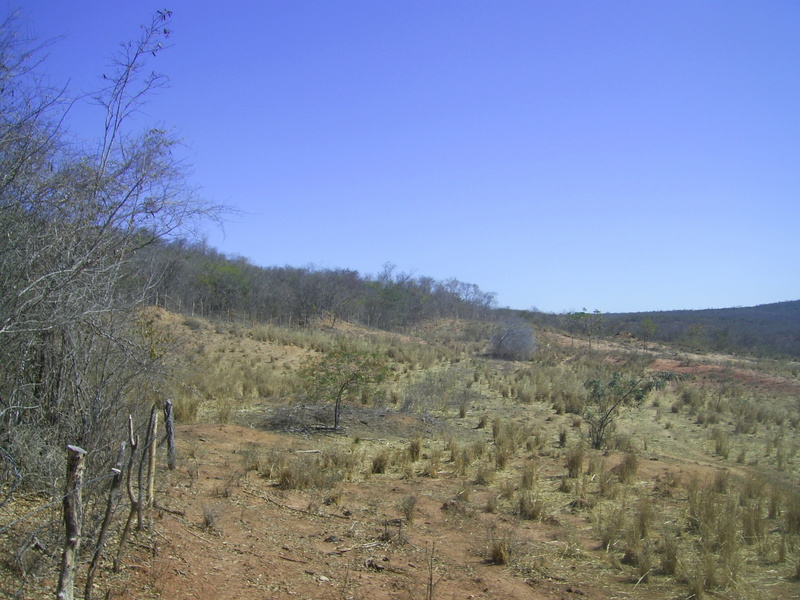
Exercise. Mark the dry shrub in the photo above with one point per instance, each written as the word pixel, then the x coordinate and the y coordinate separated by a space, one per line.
pixel 252 457
pixel 407 506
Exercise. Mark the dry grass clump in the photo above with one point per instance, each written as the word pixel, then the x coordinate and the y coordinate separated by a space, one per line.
pixel 380 462
pixel 610 526
pixel 791 512
pixel 722 446
pixel 484 475
pixel 508 438
pixel 502 546
pixel 313 471
pixel 415 449
pixel 529 477
pixel 575 461
pixel 434 465
pixel 185 406
pixel 628 468
pixel 530 506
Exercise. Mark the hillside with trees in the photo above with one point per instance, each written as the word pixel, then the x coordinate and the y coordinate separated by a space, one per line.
pixel 769 330
pixel 198 280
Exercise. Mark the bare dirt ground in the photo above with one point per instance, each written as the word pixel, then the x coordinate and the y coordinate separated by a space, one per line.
pixel 224 532
pixel 267 543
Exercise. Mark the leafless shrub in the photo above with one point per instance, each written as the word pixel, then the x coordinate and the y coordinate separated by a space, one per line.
pixel 210 518
pixel 408 506
pixel 251 456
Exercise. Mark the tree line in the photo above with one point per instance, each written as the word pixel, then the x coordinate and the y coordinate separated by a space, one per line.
pixel 195 278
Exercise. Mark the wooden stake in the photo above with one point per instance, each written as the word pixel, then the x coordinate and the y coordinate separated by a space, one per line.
pixel 113 494
pixel 73 522
pixel 170 426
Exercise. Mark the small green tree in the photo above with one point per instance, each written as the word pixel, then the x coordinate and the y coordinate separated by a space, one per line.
pixel 608 397
pixel 341 374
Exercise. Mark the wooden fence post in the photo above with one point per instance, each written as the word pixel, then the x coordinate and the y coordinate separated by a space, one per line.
pixel 149 441
pixel 134 444
pixel 113 494
pixel 151 455
pixel 170 427
pixel 73 522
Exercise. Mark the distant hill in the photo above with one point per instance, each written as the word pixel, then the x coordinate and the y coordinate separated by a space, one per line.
pixel 768 330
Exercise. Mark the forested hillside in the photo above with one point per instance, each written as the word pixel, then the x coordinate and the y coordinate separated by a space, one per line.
pixel 765 330
pixel 196 279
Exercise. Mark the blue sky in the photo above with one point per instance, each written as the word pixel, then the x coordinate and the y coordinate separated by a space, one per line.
pixel 615 155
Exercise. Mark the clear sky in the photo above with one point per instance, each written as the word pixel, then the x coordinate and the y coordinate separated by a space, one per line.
pixel 614 155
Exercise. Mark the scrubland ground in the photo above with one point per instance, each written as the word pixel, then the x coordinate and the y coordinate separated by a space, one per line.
pixel 465 477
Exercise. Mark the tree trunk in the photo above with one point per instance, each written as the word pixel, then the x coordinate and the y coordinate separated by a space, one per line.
pixel 73 521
